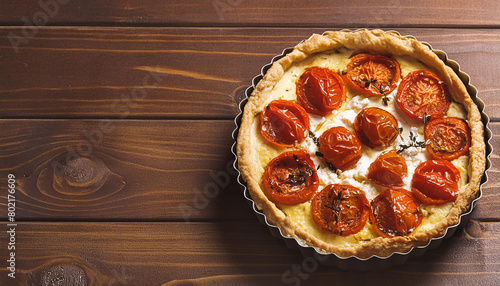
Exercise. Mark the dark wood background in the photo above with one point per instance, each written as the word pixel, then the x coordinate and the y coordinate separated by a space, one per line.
pixel 149 90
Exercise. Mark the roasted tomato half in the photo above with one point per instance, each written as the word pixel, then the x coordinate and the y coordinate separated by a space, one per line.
pixel 320 90
pixel 448 138
pixel 340 209
pixel 290 178
pixel 435 182
pixel 421 94
pixel 372 75
pixel 395 212
pixel 340 147
pixel 284 123
pixel 388 170
pixel 376 128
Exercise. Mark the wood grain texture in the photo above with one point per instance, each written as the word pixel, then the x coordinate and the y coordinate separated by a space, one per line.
pixel 119 138
pixel 155 170
pixel 172 73
pixel 139 170
pixel 343 13
pixel 220 253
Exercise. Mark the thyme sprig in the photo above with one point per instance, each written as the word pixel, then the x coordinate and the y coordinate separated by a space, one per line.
pixel 379 88
pixel 319 154
pixel 400 131
pixel 334 204
pixel 314 138
pixel 413 143
pixel 371 81
pixel 330 166
pixel 427 118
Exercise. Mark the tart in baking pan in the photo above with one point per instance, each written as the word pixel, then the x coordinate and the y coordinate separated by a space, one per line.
pixel 361 143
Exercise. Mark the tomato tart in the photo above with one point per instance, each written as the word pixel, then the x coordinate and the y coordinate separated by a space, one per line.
pixel 361 144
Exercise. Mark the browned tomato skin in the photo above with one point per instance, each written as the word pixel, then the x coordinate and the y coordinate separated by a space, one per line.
pixel 435 182
pixel 340 209
pixel 388 170
pixel 376 128
pixel 320 90
pixel 340 147
pixel 365 67
pixel 284 123
pixel 290 178
pixel 449 138
pixel 395 212
pixel 422 93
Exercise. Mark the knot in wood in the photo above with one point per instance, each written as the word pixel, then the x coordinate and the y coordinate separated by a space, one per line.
pixel 63 275
pixel 81 170
pixel 78 176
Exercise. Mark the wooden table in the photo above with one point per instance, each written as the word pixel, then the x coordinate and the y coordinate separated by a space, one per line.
pixel 147 91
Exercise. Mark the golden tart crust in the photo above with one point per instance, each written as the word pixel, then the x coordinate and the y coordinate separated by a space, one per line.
pixel 375 41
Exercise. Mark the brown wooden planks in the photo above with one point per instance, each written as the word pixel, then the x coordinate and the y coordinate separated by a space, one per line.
pixel 150 170
pixel 158 170
pixel 153 168
pixel 71 72
pixel 343 13
pixel 221 253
